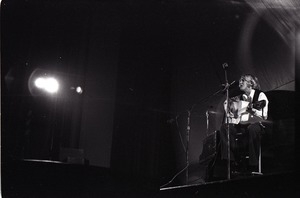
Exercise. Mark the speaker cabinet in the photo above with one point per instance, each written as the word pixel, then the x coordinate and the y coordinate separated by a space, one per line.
pixel 209 149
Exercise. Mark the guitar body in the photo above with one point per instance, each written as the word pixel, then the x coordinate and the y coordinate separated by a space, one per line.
pixel 252 119
pixel 240 113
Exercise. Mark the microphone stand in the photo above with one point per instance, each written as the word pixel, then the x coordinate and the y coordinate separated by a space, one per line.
pixel 207 122
pixel 227 85
pixel 186 168
pixel 188 128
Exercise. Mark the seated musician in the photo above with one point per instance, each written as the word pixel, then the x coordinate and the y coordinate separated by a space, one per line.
pixel 244 114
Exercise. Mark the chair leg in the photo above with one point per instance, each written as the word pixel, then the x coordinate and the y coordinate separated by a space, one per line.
pixel 259 161
pixel 259 164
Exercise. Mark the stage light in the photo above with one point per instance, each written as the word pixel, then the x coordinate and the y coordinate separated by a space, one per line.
pixel 40 83
pixel 48 84
pixel 55 84
pixel 79 90
pixel 51 85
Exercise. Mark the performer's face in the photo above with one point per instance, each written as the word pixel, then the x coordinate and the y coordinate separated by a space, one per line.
pixel 243 84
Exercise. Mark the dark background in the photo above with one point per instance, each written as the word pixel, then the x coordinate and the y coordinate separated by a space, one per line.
pixel 142 66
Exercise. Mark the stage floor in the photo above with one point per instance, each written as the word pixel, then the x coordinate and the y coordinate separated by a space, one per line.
pixel 54 179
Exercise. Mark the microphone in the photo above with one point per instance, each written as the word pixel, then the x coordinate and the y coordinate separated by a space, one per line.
pixel 232 83
pixel 225 65
pixel 226 86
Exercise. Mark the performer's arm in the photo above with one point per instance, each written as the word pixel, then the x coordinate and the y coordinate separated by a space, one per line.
pixel 263 113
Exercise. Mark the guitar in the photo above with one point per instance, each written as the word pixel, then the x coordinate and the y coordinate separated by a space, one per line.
pixel 242 112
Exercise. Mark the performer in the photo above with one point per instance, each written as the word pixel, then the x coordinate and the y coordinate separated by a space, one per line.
pixel 244 115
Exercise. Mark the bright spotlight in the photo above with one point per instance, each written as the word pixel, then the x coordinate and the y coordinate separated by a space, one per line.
pixel 79 90
pixel 43 82
pixel 51 85
pixel 40 83
pixel 48 84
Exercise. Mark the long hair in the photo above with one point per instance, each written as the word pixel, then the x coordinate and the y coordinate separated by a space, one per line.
pixel 252 81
